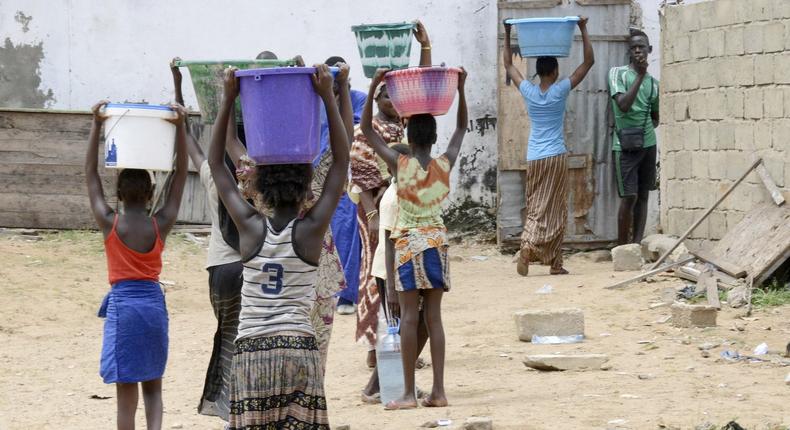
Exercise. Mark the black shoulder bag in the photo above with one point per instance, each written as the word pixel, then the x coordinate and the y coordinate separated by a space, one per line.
pixel 633 138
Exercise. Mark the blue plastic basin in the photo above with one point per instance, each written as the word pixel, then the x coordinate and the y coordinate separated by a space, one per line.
pixel 545 37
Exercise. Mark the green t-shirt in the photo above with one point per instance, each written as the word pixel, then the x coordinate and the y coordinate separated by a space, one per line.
pixel 620 80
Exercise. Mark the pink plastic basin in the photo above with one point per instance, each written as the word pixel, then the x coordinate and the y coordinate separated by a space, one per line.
pixel 419 90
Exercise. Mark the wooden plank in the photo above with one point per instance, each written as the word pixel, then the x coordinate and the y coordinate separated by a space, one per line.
pixel 725 266
pixel 53 184
pixel 776 193
pixel 602 2
pixel 528 4
pixel 760 242
pixel 649 273
pixel 711 287
pixel 513 122
pixel 707 212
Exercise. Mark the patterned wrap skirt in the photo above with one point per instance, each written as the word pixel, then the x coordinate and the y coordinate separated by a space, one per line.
pixel 278 384
pixel 546 214
pixel 135 342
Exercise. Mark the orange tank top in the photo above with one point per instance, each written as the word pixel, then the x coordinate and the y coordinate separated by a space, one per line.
pixel 124 263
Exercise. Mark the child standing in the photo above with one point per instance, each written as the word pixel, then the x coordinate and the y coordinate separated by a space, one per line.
pixel 135 342
pixel 277 380
pixel 420 236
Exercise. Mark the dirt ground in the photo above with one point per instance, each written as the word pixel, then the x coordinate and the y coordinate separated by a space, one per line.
pixel 51 339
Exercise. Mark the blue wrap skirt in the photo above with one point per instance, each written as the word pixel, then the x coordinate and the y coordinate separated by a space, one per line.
pixel 134 347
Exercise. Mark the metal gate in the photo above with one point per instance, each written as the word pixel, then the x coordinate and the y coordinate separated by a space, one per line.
pixel 592 203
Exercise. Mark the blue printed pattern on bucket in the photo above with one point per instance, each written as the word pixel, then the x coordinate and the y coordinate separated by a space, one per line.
pixel 111 157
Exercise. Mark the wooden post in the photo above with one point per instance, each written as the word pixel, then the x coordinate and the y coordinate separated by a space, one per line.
pixel 650 273
pixel 707 212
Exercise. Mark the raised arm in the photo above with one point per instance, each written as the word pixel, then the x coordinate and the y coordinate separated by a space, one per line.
pixel 589 58
pixel 167 215
pixel 101 210
pixel 247 219
pixel 344 100
pixel 507 54
pixel 193 149
pixel 454 147
pixel 389 155
pixel 318 217
pixel 425 43
pixel 233 144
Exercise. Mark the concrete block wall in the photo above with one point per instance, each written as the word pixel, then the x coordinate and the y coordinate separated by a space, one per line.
pixel 725 97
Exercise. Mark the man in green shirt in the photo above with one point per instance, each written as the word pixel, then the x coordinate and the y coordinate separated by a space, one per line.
pixel 635 104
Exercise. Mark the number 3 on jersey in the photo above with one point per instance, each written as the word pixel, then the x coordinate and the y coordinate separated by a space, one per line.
pixel 275 284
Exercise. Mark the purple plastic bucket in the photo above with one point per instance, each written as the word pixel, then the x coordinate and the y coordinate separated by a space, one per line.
pixel 281 114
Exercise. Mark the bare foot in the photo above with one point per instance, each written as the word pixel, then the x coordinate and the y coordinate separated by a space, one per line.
pixel 371 399
pixel 434 401
pixel 371 360
pixel 402 403
pixel 560 271
pixel 522 267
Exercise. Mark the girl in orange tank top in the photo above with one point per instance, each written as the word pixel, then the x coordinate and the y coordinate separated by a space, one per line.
pixel 134 344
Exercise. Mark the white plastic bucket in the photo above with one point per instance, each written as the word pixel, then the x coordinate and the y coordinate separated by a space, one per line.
pixel 136 136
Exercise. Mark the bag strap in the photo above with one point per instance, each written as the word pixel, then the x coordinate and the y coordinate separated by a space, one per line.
pixel 649 104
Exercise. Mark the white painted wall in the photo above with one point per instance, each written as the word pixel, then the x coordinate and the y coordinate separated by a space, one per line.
pixel 119 50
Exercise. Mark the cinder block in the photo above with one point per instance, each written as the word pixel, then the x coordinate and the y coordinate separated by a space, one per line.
pixel 773 100
pixel 774 37
pixel 680 107
pixel 667 159
pixel 701 232
pixel 787 29
pixel 760 10
pixel 681 51
pixel 699 164
pixel 717 223
pixel 690 135
pixel 717 169
pixel 683 165
pixel 674 193
pixel 557 322
pixel 744 135
pixel 736 164
pixel 690 19
pixel 764 67
pixel 708 75
pixel 553 362
pixel 671 78
pixel 684 315
pixel 782 62
pixel 775 167
pixel 753 103
pixel 786 98
pixel 743 70
pixel 763 134
pixel 782 9
pixel 669 137
pixel 679 221
pixel 734 103
pixel 716 43
pixel 627 257
pixel 707 135
pixel 698 106
pixel 733 39
pixel 725 74
pixel 716 105
pixel 727 12
pixel 699 44
pixel 780 135
pixel 753 38
pixel 725 136
pixel 690 72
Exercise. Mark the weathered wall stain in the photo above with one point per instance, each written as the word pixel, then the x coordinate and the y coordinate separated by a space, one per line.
pixel 20 76
pixel 482 124
pixel 23 19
